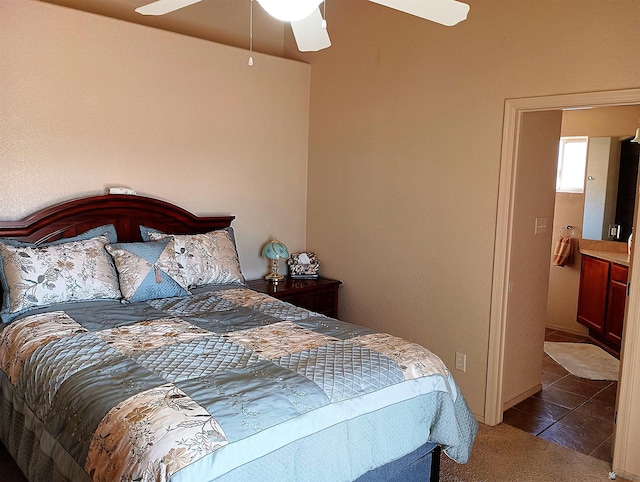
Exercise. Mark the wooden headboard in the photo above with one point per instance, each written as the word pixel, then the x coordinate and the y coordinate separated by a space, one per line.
pixel 125 212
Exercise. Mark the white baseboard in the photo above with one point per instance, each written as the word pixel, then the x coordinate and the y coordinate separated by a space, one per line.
pixel 568 330
pixel 523 396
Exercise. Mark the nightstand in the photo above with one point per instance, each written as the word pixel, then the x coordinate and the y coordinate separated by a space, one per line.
pixel 319 295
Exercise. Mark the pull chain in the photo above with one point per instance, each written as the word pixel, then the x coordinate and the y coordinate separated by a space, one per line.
pixel 251 34
pixel 324 14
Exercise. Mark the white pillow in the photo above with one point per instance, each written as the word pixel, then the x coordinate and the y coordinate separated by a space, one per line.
pixel 42 276
pixel 204 259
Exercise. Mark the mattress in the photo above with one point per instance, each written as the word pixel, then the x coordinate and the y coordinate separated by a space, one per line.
pixel 224 384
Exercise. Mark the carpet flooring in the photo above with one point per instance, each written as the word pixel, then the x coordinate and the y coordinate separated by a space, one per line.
pixel 506 454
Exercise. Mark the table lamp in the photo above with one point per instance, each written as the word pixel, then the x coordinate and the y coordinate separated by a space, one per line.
pixel 274 250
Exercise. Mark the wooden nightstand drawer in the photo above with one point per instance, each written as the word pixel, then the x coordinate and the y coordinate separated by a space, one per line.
pixel 319 295
pixel 327 301
pixel 303 300
pixel 321 301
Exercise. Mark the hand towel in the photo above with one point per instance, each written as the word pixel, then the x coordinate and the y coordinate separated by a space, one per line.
pixel 563 252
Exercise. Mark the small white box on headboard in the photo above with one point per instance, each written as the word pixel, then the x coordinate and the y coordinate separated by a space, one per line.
pixel 120 190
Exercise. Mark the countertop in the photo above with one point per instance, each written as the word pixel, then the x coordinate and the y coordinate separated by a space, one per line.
pixel 618 258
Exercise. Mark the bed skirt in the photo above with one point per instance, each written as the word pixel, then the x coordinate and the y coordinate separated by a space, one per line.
pixel 423 464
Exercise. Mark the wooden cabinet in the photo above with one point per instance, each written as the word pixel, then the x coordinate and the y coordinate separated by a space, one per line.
pixel 616 301
pixel 594 287
pixel 319 295
pixel 602 299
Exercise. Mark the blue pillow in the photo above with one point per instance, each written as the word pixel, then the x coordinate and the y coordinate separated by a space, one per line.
pixel 148 270
pixel 108 229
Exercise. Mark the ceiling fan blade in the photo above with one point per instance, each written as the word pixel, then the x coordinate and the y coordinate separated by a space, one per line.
pixel 444 12
pixel 164 6
pixel 310 33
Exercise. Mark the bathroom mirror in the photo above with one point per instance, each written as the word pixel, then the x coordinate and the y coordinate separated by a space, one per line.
pixel 610 188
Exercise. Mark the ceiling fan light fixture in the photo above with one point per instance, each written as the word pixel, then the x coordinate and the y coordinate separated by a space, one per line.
pixel 289 10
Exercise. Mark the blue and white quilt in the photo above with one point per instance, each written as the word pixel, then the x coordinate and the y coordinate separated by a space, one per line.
pixel 207 386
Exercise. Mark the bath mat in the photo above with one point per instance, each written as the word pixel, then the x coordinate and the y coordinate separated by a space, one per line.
pixel 584 360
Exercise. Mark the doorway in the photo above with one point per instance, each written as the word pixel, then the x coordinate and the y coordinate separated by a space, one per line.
pixel 608 199
pixel 515 110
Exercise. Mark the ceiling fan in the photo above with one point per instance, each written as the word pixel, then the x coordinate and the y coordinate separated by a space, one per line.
pixel 310 29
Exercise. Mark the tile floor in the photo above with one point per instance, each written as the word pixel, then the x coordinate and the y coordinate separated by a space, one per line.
pixel 569 411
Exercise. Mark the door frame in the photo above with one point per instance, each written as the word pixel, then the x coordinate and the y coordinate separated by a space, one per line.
pixel 513 111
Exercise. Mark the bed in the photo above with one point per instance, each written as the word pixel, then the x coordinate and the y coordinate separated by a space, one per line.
pixel 131 349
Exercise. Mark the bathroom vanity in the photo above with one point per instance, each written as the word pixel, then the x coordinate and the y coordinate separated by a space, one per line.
pixel 602 297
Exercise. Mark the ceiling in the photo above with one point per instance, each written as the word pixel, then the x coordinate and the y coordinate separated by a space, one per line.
pixel 222 21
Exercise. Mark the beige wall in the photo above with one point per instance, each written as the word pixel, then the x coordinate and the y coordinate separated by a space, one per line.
pixel 222 21
pixel 89 102
pixel 617 121
pixel 406 128
pixel 564 282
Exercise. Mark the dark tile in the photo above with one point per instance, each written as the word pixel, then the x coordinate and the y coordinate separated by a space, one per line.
pixel 542 408
pixel 551 366
pixel 526 421
pixel 597 409
pixel 608 395
pixel 580 386
pixel 561 397
pixel 604 450
pixel 548 378
pixel 579 432
pixel 583 410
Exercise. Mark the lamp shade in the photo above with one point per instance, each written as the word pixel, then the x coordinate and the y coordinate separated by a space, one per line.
pixel 275 250
pixel 289 10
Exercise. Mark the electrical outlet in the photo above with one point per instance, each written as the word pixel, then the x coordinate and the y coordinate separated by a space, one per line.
pixel 461 362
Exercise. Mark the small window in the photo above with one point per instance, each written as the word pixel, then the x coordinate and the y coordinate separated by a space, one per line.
pixel 572 162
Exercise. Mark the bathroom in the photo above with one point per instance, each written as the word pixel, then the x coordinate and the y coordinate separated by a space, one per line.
pixel 608 125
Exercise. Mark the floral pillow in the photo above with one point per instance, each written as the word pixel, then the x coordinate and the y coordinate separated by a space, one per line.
pixel 148 270
pixel 37 276
pixel 209 258
pixel 108 229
